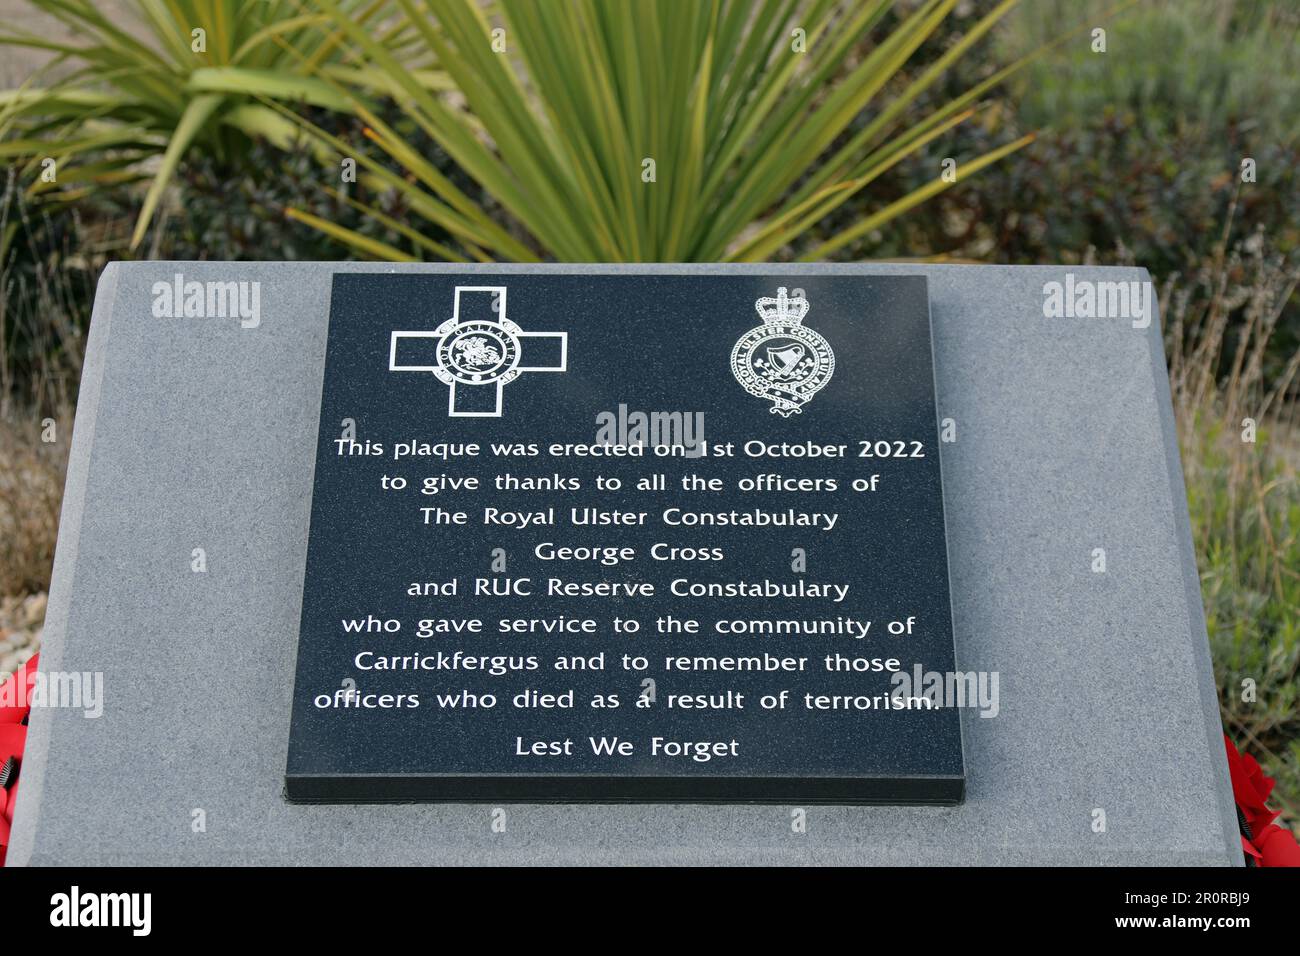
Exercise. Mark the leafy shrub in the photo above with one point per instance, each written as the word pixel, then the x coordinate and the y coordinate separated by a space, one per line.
pixel 1181 67
pixel 180 76
pixel 233 217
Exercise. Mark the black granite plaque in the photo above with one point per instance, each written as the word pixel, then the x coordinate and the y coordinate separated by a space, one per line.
pixel 626 538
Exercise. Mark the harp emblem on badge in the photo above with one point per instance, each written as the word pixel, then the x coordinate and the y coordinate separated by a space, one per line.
pixel 782 360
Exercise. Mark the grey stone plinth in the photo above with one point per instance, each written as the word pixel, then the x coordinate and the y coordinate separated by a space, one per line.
pixel 202 434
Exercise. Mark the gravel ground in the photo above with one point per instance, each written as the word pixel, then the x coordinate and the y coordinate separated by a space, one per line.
pixel 21 622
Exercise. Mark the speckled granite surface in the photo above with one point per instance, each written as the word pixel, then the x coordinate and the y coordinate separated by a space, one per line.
pixel 203 434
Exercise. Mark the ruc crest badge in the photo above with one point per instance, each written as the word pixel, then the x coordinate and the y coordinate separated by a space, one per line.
pixel 782 360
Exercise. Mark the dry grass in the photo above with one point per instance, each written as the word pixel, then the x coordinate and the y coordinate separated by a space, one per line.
pixel 31 489
pixel 46 270
pixel 40 364
pixel 1244 495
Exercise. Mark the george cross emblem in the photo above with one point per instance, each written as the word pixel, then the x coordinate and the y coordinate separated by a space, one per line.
pixel 478 351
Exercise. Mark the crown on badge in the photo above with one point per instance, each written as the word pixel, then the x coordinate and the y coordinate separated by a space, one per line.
pixel 782 308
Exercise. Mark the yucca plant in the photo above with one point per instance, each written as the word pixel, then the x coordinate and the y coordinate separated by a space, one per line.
pixel 186 74
pixel 624 130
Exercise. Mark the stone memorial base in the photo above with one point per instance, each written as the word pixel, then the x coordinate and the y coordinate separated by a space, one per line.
pixel 200 433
